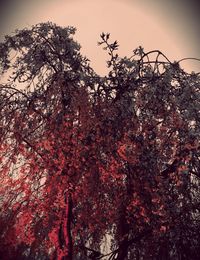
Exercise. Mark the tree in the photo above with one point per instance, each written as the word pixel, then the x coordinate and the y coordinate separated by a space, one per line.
pixel 84 157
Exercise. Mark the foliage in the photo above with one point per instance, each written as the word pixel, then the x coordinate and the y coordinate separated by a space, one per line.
pixel 85 157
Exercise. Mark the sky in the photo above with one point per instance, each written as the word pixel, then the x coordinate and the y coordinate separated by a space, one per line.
pixel 170 26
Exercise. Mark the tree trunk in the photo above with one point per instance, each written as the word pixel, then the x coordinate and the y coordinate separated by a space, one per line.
pixel 123 231
pixel 65 237
pixel 69 242
pixel 123 250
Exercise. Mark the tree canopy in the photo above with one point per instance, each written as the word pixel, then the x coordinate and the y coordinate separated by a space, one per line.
pixel 88 161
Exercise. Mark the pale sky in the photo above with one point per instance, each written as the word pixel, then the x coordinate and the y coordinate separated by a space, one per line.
pixel 168 25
